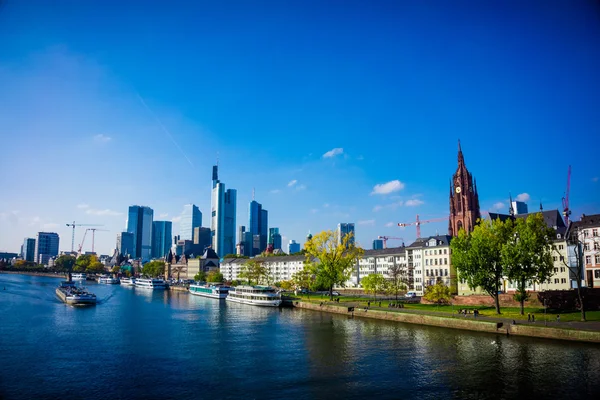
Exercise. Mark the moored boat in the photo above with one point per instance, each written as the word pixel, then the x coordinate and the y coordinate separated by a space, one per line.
pixel 265 296
pixel 109 280
pixel 128 281
pixel 214 291
pixel 71 294
pixel 150 283
pixel 79 277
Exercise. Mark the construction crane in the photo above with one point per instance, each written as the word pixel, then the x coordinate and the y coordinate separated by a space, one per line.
pixel 386 238
pixel 418 223
pixel 82 242
pixel 73 234
pixel 565 200
pixel 94 234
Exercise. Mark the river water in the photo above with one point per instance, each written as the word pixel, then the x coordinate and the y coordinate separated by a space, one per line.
pixel 141 344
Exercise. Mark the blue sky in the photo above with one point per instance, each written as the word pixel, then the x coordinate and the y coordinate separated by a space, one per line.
pixel 106 104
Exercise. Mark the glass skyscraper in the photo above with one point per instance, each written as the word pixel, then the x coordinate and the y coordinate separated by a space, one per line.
pixel 258 223
pixel 46 246
pixel 343 229
pixel 139 222
pixel 222 221
pixel 28 253
pixel 190 219
pixel 377 244
pixel 161 238
pixel 293 247
pixel 125 244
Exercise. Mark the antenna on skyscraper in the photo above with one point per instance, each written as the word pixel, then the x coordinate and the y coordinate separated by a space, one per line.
pixel 217 158
pixel 252 194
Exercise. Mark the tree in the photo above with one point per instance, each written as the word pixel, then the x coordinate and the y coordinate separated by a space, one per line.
pixel 116 269
pixel 397 280
pixel 335 257
pixel 286 285
pixel 154 268
pixel 373 283
pixel 303 279
pixel 528 255
pixel 83 262
pixel 478 256
pixel 200 277
pixel 438 293
pixel 215 276
pixel 65 263
pixel 253 271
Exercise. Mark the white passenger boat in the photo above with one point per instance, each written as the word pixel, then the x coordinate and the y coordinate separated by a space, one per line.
pixel 150 283
pixel 210 290
pixel 71 294
pixel 79 277
pixel 265 296
pixel 108 280
pixel 128 281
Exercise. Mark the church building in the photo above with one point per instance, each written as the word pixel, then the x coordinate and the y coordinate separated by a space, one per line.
pixel 464 200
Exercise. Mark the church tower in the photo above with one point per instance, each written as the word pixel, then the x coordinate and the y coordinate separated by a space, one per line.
pixel 464 200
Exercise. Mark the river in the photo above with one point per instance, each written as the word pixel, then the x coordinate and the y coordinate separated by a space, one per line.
pixel 141 344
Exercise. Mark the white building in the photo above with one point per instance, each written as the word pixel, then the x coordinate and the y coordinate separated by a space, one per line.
pixel 587 230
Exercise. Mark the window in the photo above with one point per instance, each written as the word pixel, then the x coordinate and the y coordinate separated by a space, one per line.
pixel 594 232
pixel 588 259
pixel 586 247
pixel 555 270
pixel 597 258
pixel 562 269
pixel 563 280
pixel 561 247
pixel 425 252
pixel 597 273
pixel 426 272
pixel 562 258
pixel 596 246
pixel 436 262
pixel 555 258
pixel 555 280
pixel 446 261
pixel 436 272
pixel 445 251
pixel 426 261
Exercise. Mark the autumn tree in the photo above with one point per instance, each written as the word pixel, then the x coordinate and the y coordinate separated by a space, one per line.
pixel 438 293
pixel 527 255
pixel 303 279
pixel 373 283
pixel 215 276
pixel 154 268
pixel 334 258
pixel 200 276
pixel 477 256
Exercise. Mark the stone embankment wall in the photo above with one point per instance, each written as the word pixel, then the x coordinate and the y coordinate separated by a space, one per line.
pixel 47 274
pixel 506 300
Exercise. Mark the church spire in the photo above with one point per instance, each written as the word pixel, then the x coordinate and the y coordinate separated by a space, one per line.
pixel 461 159
pixel 511 210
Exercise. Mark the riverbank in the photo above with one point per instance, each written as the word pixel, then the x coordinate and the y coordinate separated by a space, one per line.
pixel 47 274
pixel 457 322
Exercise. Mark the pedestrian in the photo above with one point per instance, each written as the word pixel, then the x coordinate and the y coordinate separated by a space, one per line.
pixel 369 304
pixel 558 318
pixel 532 317
pixel 379 304
pixel 528 317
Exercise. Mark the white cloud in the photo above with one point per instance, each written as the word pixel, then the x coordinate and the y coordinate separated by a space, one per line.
pixel 93 211
pixel 498 206
pixel 314 210
pixel 102 138
pixel 333 152
pixel 389 224
pixel 523 197
pixel 388 187
pixel 176 219
pixel 292 183
pixel 367 222
pixel 413 202
pixel 82 206
pixel 163 215
pixel 275 191
pixel 300 187
pixel 595 179
pixel 377 208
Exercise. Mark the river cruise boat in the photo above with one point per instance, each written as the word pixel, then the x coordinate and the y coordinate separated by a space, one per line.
pixel 79 277
pixel 71 294
pixel 150 283
pixel 128 281
pixel 108 280
pixel 265 296
pixel 208 290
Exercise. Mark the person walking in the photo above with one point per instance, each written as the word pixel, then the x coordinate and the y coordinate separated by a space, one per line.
pixel 528 317
pixel 532 317
pixel 558 318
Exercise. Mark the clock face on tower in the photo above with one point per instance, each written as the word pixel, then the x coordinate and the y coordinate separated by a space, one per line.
pixel 458 189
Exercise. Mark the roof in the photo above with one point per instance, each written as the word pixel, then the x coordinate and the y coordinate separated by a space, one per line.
pixel 210 264
pixel 422 242
pixel 209 253
pixel 384 252
pixel 264 259
pixel 588 221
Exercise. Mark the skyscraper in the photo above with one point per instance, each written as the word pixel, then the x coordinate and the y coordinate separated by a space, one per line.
pixel 222 222
pixel 258 223
pixel 202 239
pixel 519 207
pixel 28 253
pixel 274 238
pixel 161 238
pixel 377 244
pixel 139 222
pixel 190 218
pixel 293 247
pixel 344 229
pixel 46 246
pixel 125 244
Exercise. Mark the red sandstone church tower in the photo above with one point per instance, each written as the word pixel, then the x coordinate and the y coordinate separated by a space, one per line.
pixel 464 200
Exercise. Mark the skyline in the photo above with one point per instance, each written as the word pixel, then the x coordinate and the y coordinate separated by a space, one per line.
pixel 329 122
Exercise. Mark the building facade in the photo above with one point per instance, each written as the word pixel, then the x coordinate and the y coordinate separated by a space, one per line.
pixel 28 250
pixel 464 200
pixel 587 230
pixel 293 247
pixel 223 215
pixel 126 244
pixel 377 244
pixel 191 218
pixel 162 231
pixel 519 207
pixel 202 239
pixel 274 240
pixel 258 224
pixel 344 229
pixel 46 246
pixel 139 222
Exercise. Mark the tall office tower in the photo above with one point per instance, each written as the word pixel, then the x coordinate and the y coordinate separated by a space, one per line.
pixel 377 244
pixel 222 222
pixel 125 244
pixel 344 229
pixel 274 240
pixel 258 224
pixel 161 238
pixel 519 207
pixel 293 247
pixel 139 222
pixel 190 219
pixel 201 239
pixel 46 246
pixel 28 253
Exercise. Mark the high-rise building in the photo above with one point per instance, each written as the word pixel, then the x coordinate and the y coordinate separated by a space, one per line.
pixel 125 244
pixel 190 218
pixel 161 238
pixel 46 246
pixel 464 200
pixel 274 238
pixel 28 250
pixel 244 241
pixel 344 229
pixel 201 239
pixel 377 244
pixel 258 223
pixel 293 247
pixel 519 207
pixel 139 222
pixel 222 222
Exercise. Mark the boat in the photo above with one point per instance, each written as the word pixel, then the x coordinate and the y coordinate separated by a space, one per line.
pixel 79 277
pixel 214 291
pixel 128 281
pixel 71 294
pixel 150 283
pixel 265 296
pixel 109 280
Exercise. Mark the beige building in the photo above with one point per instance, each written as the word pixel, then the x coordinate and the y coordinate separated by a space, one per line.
pixel 587 230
